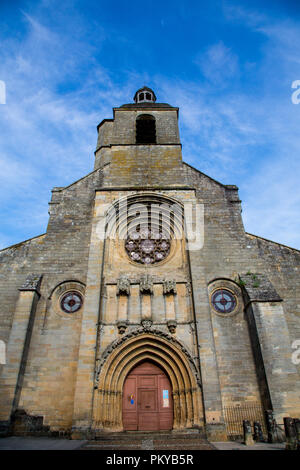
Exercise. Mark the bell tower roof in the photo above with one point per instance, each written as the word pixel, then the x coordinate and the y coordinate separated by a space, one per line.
pixel 144 95
pixel 145 98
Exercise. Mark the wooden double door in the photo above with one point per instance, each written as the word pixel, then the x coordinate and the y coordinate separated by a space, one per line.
pixel 147 399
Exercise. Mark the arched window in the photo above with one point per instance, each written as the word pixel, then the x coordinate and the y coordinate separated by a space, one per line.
pixel 145 129
pixel 145 96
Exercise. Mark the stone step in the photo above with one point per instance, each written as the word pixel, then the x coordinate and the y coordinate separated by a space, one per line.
pixel 154 435
pixel 150 442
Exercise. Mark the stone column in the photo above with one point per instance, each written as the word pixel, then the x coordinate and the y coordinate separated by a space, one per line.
pixel 122 307
pixel 170 307
pixel 146 291
pixel 123 292
pixel 18 345
pixel 158 304
pixel 271 346
pixel 146 306
pixel 83 399
pixel 134 305
pixel 169 289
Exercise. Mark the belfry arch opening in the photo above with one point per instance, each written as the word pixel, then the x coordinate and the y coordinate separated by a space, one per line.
pixel 147 399
pixel 145 129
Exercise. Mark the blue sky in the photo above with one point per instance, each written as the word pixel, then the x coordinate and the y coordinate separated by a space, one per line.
pixel 228 65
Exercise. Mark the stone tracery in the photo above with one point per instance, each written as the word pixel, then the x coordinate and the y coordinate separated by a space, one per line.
pixel 147 246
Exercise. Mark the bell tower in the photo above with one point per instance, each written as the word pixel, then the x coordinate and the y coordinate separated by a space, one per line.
pixel 141 144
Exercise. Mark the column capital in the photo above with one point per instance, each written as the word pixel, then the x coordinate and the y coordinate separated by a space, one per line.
pixel 123 285
pixel 169 286
pixel 146 284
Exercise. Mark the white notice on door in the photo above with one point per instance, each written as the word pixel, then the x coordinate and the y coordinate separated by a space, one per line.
pixel 165 398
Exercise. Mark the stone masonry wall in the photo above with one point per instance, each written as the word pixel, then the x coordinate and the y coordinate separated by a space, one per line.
pixel 60 255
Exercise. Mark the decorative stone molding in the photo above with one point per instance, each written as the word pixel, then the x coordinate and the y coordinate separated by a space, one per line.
pixel 33 283
pixel 135 333
pixel 172 325
pixel 122 327
pixel 146 324
pixel 146 284
pixel 169 286
pixel 123 285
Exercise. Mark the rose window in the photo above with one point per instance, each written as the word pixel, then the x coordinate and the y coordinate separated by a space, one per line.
pixel 223 301
pixel 147 246
pixel 71 302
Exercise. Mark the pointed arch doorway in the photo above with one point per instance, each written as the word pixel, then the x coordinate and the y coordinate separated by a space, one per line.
pixel 120 359
pixel 147 399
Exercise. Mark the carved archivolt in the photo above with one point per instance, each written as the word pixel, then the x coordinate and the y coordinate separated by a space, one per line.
pixel 127 352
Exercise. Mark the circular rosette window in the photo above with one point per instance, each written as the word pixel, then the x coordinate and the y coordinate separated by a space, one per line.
pixel 71 302
pixel 223 301
pixel 147 246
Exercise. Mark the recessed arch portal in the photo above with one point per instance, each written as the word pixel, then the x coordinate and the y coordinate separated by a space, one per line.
pixel 167 355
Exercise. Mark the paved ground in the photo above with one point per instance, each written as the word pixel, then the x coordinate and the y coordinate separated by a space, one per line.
pixel 38 443
pixel 240 446
pixel 143 443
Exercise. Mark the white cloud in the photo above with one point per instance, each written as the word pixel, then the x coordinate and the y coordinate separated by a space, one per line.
pixel 218 63
pixel 48 136
pixel 237 137
pixel 251 139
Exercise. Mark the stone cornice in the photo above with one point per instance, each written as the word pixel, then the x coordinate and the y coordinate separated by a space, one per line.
pixel 32 283
pixel 258 288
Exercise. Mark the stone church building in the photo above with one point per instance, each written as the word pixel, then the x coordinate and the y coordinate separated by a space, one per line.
pixel 146 306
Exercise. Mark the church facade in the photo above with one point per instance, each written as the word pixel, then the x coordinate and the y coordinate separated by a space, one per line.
pixel 146 306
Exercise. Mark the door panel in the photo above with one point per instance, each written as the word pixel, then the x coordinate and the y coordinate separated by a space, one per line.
pixel 130 418
pixel 130 403
pixel 147 381
pixel 147 399
pixel 147 409
pixel 165 403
